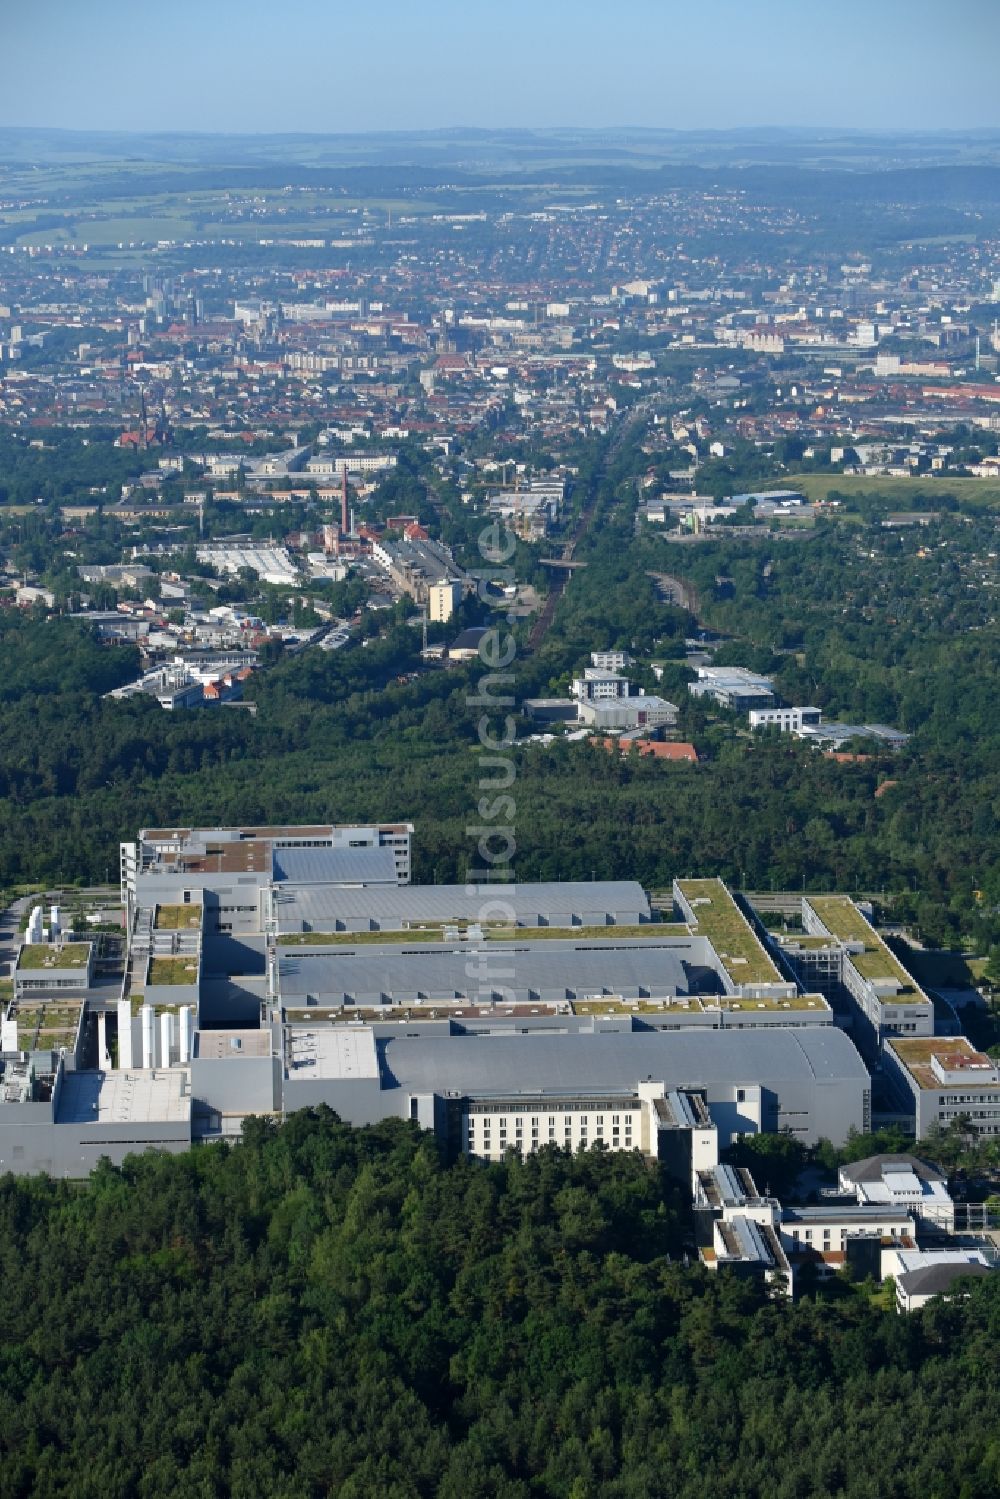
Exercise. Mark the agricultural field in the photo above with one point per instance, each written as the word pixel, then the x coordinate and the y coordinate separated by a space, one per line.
pixel 906 494
pixel 105 205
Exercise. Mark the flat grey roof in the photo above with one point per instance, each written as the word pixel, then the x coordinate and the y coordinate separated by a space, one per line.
pixel 442 903
pixel 544 1062
pixel 334 866
pixel 849 1213
pixel 348 1055
pixel 232 1043
pixel 733 676
pixel 160 1095
pixel 549 968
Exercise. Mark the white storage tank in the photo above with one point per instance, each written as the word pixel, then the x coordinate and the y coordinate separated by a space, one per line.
pixel 166 1037
pixel 148 1015
pixel 126 1059
pixel 186 1033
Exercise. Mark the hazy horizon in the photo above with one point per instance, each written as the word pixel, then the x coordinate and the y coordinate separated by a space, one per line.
pixel 563 127
pixel 320 67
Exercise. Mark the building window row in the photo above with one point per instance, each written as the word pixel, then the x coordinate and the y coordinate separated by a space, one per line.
pixel 537 1106
pixel 568 1121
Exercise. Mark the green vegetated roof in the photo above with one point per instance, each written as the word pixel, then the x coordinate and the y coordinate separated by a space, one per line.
pixel 47 1027
pixel 917 1053
pixel 607 932
pixel 40 955
pixel 607 1004
pixel 790 1002
pixel 840 915
pixel 875 965
pixel 720 919
pixel 358 939
pixel 650 929
pixel 172 971
pixel 613 1004
pixel 178 918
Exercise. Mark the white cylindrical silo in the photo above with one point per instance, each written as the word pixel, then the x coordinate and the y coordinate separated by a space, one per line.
pixel 186 1030
pixel 125 1057
pixel 103 1058
pixel 34 932
pixel 148 1015
pixel 53 923
pixel 166 1029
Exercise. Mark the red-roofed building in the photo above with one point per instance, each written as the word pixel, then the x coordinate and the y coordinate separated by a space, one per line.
pixel 134 439
pixel 655 748
pixel 451 364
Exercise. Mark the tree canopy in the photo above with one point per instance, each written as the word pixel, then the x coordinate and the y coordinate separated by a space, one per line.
pixel 325 1310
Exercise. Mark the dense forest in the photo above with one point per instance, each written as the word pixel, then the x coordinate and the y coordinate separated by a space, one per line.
pixel 60 465
pixel 327 1310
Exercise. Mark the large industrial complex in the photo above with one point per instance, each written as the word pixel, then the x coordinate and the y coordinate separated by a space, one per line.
pixel 268 969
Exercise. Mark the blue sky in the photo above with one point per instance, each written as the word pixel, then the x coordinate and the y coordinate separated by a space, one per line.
pixel 323 65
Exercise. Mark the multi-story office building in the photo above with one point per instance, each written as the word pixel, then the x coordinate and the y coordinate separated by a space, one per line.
pixel 945 1078
pixel 53 969
pixel 328 467
pixel 599 686
pixel 610 661
pixel 415 566
pixel 733 687
pixel 748 970
pixel 841 947
pixel 443 599
pixel 189 859
pixel 787 720
pixel 736 1228
pixel 833 1236
pixel 740 1231
pixel 672 1125
pixel 638 710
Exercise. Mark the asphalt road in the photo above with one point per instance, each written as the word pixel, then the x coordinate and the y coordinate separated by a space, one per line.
pixel 10 925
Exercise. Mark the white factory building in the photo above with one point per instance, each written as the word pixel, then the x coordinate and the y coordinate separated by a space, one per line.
pixel 272 969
